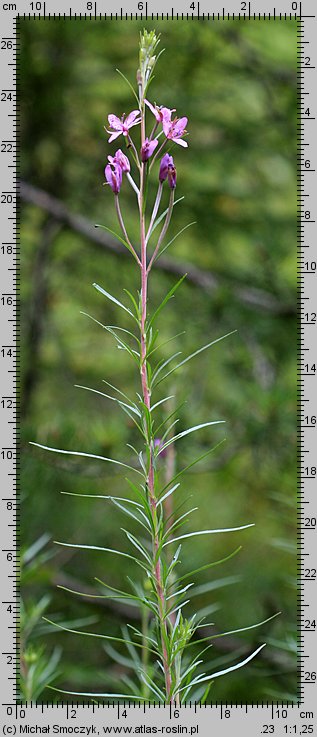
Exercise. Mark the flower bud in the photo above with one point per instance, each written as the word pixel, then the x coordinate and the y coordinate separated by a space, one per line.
pixel 172 176
pixel 120 159
pixel 147 58
pixel 113 174
pixel 168 171
pixel 166 161
pixel 147 149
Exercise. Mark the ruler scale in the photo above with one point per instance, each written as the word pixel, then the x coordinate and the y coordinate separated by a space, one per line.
pixel 218 718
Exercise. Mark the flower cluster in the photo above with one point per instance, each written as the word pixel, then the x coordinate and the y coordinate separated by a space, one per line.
pixel 172 130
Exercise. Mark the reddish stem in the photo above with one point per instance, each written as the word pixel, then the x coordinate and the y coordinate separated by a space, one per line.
pixel 147 401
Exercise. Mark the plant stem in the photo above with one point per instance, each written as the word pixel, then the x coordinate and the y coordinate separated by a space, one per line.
pixel 150 480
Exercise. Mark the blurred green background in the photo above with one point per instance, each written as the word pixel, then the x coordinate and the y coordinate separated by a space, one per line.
pixel 236 82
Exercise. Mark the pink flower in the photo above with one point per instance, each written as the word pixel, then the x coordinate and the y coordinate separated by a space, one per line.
pixel 175 129
pixel 160 113
pixel 122 125
pixel 113 174
pixel 121 160
pixel 147 149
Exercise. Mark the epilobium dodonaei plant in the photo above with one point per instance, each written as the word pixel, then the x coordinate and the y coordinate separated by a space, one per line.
pixel 167 668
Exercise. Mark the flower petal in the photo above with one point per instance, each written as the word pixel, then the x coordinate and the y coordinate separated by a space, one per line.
pixel 180 124
pixel 114 136
pixel 180 142
pixel 153 110
pixel 115 122
pixel 167 113
pixel 131 117
pixel 166 126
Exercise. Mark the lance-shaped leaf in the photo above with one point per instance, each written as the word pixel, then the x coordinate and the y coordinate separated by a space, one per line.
pixel 91 634
pixel 168 493
pixel 240 629
pixel 126 595
pixel 226 670
pixel 135 305
pixel 193 463
pixel 123 345
pixel 131 408
pixel 152 686
pixel 219 583
pixel 119 238
pixel 209 565
pixel 144 522
pixel 187 432
pixel 114 300
pixel 207 532
pixel 129 85
pixel 127 697
pixel 192 355
pixel 104 550
pixel 102 496
pixel 86 455
pixel 136 543
pixel 166 299
pixel 112 328
pixel 160 218
pixel 173 239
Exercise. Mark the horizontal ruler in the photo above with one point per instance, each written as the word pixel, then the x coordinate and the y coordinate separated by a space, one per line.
pixel 219 718
pixel 107 718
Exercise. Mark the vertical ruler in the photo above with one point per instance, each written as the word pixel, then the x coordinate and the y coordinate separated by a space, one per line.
pixel 9 357
pixel 307 276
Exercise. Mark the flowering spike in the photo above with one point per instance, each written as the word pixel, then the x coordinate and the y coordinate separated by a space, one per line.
pixel 147 59
pixel 166 633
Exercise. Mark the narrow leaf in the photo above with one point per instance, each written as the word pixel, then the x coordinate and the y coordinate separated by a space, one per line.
pixel 210 565
pixel 243 629
pixel 168 493
pixel 157 404
pixel 187 432
pixel 119 238
pixel 102 496
pixel 166 299
pixel 86 455
pixel 113 399
pixel 90 634
pixel 114 300
pixel 129 85
pixel 94 547
pixel 193 463
pixel 207 532
pixel 160 218
pixel 129 697
pixel 192 355
pixel 173 239
pixel 227 670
